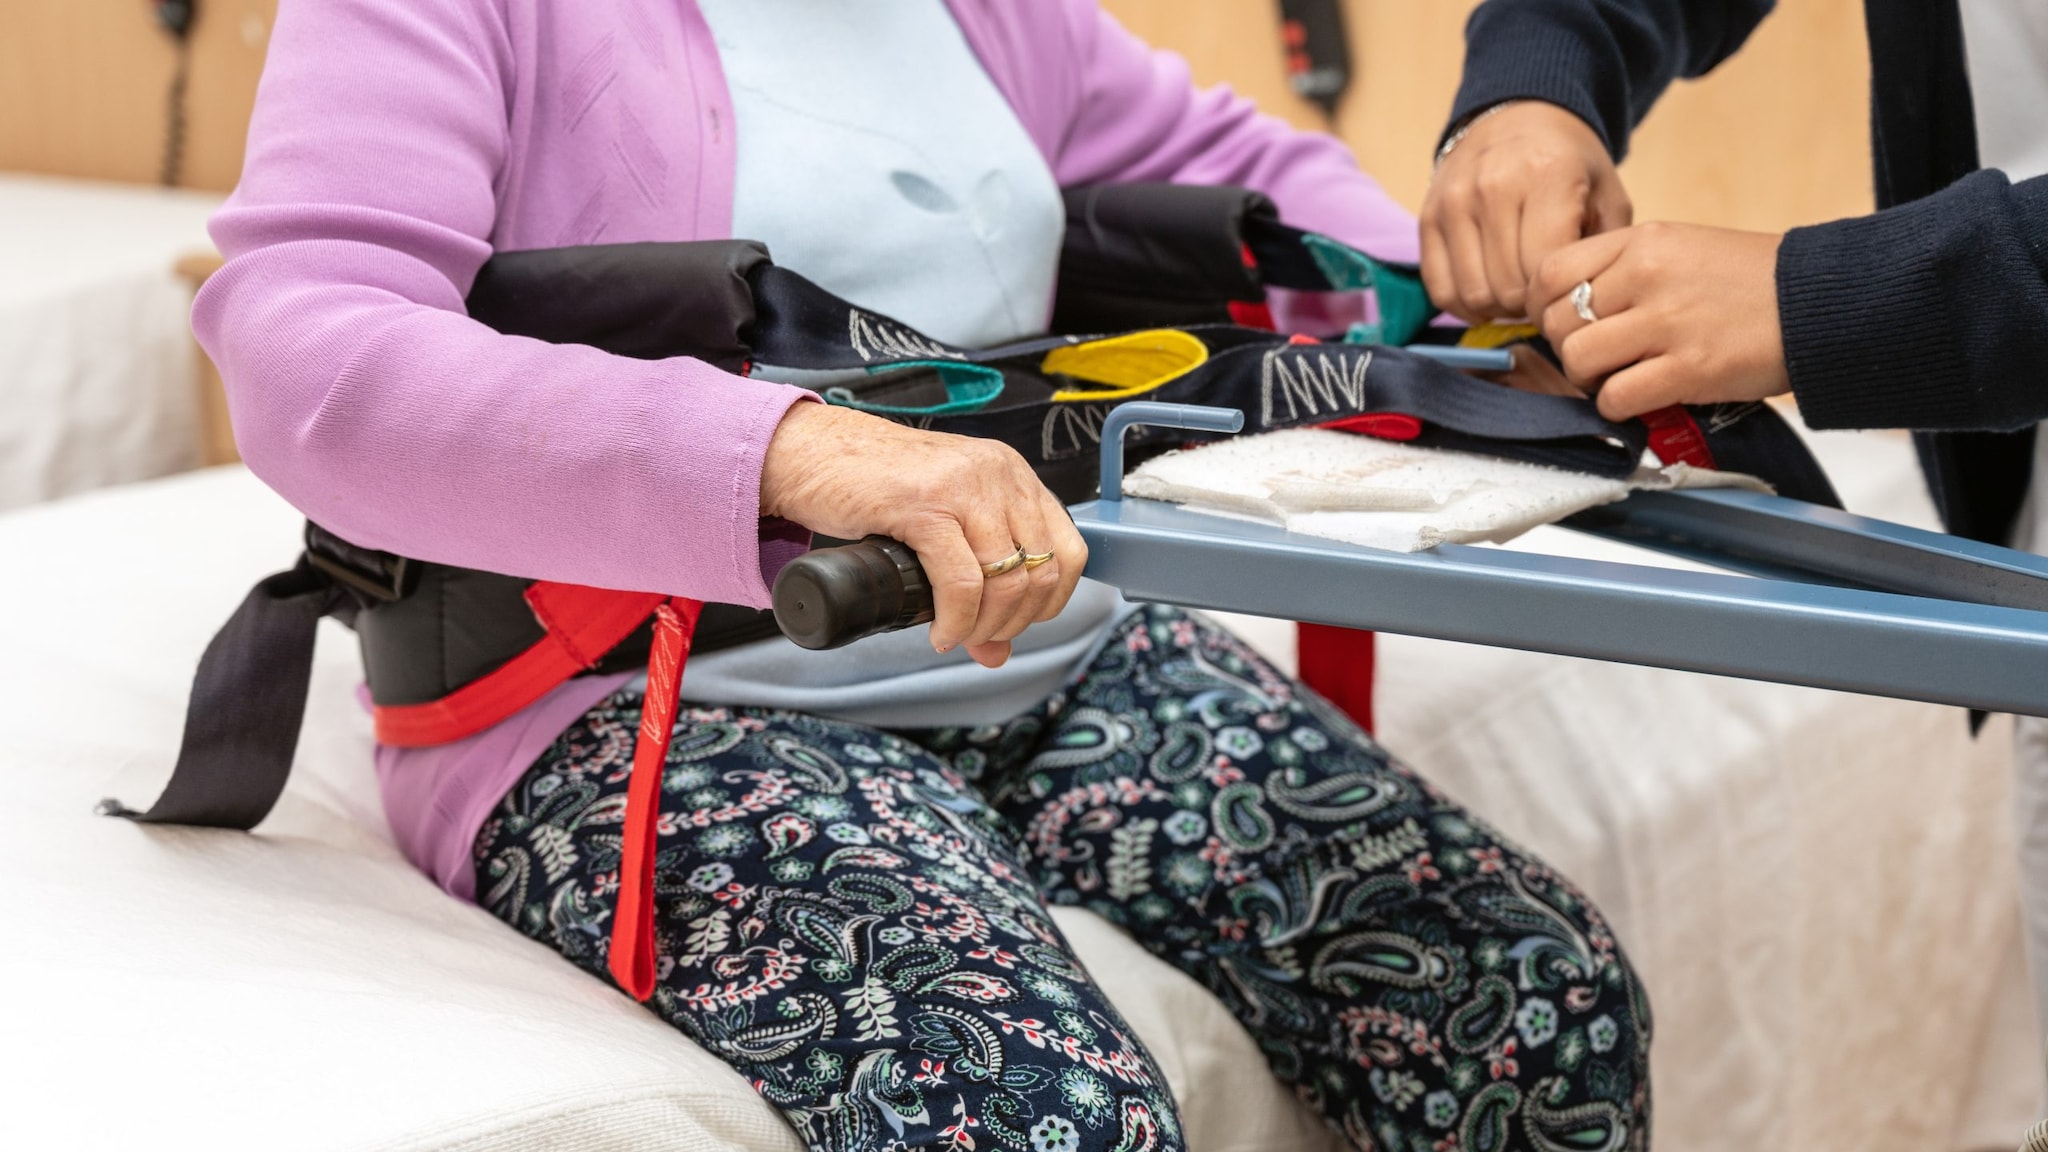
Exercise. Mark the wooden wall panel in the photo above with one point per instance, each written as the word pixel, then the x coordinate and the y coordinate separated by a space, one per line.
pixel 83 87
pixel 1777 137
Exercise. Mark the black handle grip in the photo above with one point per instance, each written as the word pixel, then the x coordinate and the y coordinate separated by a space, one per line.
pixel 831 597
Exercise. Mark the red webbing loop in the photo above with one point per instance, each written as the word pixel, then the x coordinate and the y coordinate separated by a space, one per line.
pixel 631 958
pixel 1380 425
pixel 1675 437
pixel 1251 314
pixel 1338 664
pixel 582 625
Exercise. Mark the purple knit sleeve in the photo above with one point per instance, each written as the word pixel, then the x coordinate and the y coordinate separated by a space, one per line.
pixel 363 394
pixel 1137 116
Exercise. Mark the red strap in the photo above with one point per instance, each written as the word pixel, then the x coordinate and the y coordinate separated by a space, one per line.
pixel 1676 438
pixel 1338 663
pixel 1251 314
pixel 1380 425
pixel 631 958
pixel 582 625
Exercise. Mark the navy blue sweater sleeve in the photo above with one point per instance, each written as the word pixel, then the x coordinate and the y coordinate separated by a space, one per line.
pixel 1605 60
pixel 1932 315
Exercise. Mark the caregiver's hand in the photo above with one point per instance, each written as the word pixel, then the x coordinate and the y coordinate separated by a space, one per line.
pixel 957 501
pixel 1685 315
pixel 1524 181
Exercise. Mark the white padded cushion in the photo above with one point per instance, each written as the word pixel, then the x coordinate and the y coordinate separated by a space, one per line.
pixel 1382 494
pixel 305 987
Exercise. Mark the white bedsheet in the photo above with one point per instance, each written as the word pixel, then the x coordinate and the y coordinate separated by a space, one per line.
pixel 1817 888
pixel 97 367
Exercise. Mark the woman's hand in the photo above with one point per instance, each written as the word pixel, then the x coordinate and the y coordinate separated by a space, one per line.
pixel 1523 182
pixel 957 501
pixel 1686 315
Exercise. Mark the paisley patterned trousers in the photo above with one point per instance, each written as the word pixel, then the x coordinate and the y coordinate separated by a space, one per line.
pixel 855 919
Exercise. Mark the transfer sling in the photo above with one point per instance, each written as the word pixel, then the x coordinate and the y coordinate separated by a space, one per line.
pixel 1182 275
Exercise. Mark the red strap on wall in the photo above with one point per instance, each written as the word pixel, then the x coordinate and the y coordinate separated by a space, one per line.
pixel 1338 664
pixel 631 959
pixel 582 625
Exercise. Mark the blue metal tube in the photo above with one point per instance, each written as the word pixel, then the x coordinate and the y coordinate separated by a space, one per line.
pixel 1146 413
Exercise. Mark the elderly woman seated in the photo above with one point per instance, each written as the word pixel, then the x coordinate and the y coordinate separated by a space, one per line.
pixel 855 850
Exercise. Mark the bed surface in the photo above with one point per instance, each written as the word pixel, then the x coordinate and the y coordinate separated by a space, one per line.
pixel 1818 889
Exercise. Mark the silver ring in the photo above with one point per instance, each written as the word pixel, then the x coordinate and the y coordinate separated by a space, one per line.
pixel 1582 301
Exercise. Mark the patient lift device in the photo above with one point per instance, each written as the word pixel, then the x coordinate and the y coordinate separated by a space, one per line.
pixel 1824 598
pixel 1183 274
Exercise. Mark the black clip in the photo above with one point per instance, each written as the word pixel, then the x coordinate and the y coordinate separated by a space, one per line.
pixel 380 576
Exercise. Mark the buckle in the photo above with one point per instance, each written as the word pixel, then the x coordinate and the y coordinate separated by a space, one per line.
pixel 382 576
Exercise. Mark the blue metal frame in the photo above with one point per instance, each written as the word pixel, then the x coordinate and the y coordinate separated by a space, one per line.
pixel 1836 601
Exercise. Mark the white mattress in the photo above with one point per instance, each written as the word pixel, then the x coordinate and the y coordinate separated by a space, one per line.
pixel 1818 889
pixel 97 366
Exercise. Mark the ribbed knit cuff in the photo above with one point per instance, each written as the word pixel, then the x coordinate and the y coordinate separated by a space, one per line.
pixel 1869 342
pixel 1517 55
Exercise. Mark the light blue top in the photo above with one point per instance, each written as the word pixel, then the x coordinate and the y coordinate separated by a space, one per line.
pixel 946 218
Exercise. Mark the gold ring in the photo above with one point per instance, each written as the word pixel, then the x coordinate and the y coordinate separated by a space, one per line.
pixel 1010 563
pixel 1034 559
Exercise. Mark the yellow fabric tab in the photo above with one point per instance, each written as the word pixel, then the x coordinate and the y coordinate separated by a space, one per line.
pixel 1497 335
pixel 1129 365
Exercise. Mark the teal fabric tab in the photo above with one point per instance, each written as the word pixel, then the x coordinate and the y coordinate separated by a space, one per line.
pixel 1346 268
pixel 969 388
pixel 1365 334
pixel 1405 309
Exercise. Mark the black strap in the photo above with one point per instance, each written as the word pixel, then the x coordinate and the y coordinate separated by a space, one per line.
pixel 248 701
pixel 1277 383
pixel 1751 437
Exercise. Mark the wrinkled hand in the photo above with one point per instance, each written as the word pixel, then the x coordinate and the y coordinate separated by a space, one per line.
pixel 957 501
pixel 1687 315
pixel 1524 182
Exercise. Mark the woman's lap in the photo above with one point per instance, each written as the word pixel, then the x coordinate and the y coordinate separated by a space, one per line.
pixel 1414 976
pixel 850 929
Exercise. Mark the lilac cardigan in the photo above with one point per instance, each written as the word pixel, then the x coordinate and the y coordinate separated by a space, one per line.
pixel 397 143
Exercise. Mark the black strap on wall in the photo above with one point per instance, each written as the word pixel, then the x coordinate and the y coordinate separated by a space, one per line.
pixel 1318 53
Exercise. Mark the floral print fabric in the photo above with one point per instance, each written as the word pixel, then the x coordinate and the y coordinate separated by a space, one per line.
pixel 855 919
